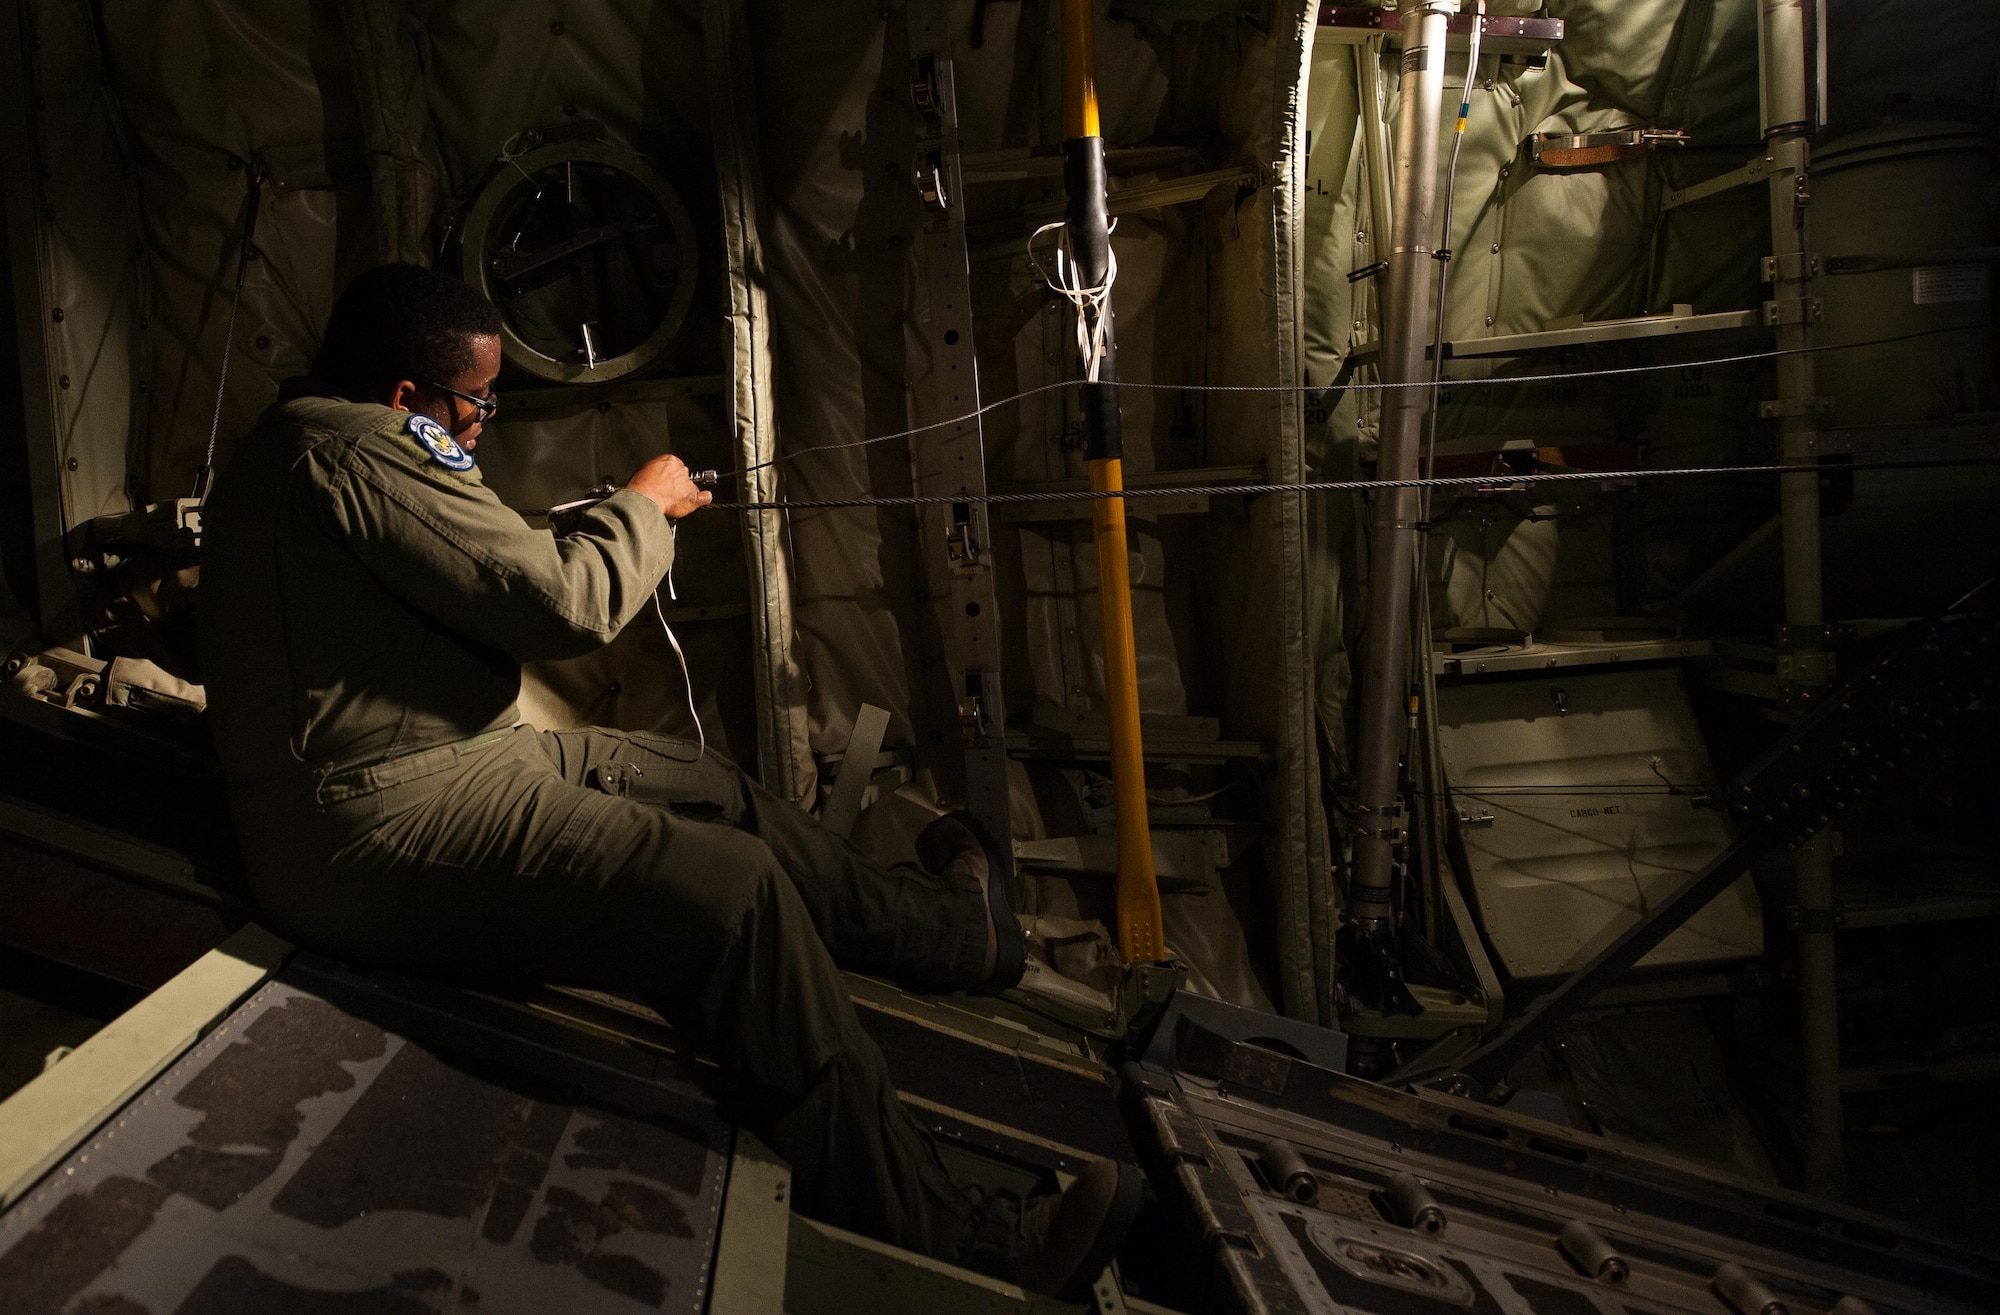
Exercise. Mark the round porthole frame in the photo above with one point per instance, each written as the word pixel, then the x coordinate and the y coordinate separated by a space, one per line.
pixel 516 174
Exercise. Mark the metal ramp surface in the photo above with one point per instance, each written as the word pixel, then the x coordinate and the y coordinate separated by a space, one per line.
pixel 306 1161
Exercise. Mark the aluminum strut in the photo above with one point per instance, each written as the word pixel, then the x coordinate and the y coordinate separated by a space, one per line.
pixel 1370 965
pixel 1791 39
pixel 1140 935
pixel 951 462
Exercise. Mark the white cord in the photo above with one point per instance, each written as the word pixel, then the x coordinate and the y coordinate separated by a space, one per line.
pixel 687 680
pixel 1090 303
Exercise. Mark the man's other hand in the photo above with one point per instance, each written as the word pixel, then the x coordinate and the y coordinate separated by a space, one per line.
pixel 666 481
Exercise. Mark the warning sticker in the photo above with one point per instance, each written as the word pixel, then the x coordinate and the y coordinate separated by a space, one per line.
pixel 1936 285
pixel 1416 59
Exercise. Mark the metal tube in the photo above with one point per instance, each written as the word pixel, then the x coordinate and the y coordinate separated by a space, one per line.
pixel 1788 50
pixel 1140 935
pixel 1791 62
pixel 1375 143
pixel 1392 562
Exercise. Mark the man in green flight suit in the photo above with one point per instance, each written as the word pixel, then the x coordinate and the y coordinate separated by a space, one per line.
pixel 367 603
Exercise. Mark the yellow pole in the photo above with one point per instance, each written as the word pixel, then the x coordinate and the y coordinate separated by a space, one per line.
pixel 1079 70
pixel 1140 937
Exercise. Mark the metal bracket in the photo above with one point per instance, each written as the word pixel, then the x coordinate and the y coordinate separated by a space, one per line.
pixel 1791 265
pixel 1469 818
pixel 1390 828
pixel 1786 155
pixel 1257 1068
pixel 1793 310
pixel 1808 668
pixel 1498 34
pixel 1793 638
pixel 1815 920
pixel 1785 407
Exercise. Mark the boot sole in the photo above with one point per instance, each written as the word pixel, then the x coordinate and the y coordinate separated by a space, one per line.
pixel 1126 1199
pixel 1010 950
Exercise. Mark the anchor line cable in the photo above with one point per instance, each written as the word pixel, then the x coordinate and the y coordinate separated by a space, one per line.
pixel 1491 381
pixel 1494 483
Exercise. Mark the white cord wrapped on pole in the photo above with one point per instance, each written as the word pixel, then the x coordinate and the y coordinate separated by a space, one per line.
pixel 1092 304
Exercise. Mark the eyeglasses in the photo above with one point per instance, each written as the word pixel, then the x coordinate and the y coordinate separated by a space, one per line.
pixel 483 407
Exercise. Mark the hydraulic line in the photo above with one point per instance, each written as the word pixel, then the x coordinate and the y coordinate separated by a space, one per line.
pixel 1140 936
pixel 1444 244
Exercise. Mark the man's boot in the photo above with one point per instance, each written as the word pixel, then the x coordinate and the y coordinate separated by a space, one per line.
pixel 957 847
pixel 1057 1245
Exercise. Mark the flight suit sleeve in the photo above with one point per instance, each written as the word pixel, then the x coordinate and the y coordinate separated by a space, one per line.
pixel 444 543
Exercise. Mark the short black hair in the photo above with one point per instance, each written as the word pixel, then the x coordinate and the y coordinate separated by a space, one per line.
pixel 398 322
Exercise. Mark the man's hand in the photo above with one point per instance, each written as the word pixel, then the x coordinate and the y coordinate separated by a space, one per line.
pixel 666 481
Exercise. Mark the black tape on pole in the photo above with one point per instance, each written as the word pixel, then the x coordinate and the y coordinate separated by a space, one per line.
pixel 1089 231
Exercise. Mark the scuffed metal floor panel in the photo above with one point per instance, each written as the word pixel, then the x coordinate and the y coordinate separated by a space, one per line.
pixel 306 1161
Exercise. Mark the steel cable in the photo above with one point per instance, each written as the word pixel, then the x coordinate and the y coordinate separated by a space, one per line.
pixel 1606 372
pixel 1498 483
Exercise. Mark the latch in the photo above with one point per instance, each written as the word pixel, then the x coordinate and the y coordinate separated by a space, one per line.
pixel 1580 150
pixel 928 175
pixel 965 537
pixel 1793 310
pixel 1470 819
pixel 972 706
pixel 925 92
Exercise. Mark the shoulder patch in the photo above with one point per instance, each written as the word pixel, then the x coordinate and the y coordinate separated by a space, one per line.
pixel 443 448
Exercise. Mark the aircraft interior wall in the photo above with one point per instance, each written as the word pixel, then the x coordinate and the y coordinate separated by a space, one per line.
pixel 364 130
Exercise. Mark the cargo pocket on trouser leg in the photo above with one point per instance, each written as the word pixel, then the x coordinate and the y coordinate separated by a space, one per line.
pixel 695 793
